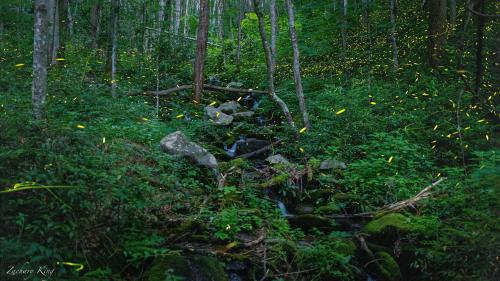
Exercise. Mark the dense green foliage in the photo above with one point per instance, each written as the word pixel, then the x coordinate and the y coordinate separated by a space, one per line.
pixel 102 202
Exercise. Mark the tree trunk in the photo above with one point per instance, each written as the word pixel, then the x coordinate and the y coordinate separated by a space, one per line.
pixel 186 18
pixel 201 49
pixel 177 20
pixel 95 22
pixel 296 65
pixel 463 33
pixel 220 20
pixel 453 13
pixel 115 8
pixel 437 28
pixel 55 34
pixel 393 35
pixel 161 15
pixel 69 17
pixel 50 27
pixel 238 40
pixel 479 47
pixel 39 85
pixel 343 32
pixel 274 30
pixel 269 63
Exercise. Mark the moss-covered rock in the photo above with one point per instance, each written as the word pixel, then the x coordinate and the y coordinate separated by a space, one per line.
pixel 388 228
pixel 384 223
pixel 345 247
pixel 195 268
pixel 386 267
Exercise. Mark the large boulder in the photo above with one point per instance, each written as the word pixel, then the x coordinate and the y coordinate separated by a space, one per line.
pixel 229 107
pixel 178 144
pixel 217 116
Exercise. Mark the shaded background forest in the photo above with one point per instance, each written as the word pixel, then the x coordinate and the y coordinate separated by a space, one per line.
pixel 397 120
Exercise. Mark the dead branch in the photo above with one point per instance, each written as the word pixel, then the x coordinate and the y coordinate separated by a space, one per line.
pixel 205 86
pixel 394 207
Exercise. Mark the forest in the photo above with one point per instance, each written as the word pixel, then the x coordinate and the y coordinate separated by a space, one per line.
pixel 242 140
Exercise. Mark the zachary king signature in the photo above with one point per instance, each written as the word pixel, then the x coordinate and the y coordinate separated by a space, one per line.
pixel 27 271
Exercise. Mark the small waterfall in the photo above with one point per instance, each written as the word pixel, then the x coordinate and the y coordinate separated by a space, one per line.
pixel 232 151
pixel 282 207
pixel 370 278
pixel 256 104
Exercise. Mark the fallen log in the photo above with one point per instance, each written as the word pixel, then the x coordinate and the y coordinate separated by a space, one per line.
pixel 394 207
pixel 205 86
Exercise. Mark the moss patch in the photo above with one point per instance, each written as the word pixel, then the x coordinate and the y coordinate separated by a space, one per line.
pixel 387 268
pixel 396 221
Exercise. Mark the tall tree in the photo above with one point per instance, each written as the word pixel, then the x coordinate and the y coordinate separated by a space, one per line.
pixel 115 8
pixel 177 18
pixel 296 65
pixel 343 31
pixel 479 45
pixel 437 28
pixel 453 13
pixel 273 18
pixel 269 64
pixel 393 35
pixel 201 49
pixel 95 23
pixel 39 85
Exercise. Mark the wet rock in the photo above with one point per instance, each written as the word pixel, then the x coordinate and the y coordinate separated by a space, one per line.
pixel 278 159
pixel 218 117
pixel 303 209
pixel 332 164
pixel 309 221
pixel 178 144
pixel 229 107
pixel 243 114
pixel 194 268
pixel 251 145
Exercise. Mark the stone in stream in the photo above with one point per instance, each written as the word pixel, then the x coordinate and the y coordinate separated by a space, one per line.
pixel 229 107
pixel 278 159
pixel 234 85
pixel 330 164
pixel 178 144
pixel 217 116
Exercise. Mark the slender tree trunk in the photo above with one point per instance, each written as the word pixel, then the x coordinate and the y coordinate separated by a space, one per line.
pixel 186 18
pixel 274 30
pixel 393 35
pixel 296 65
pixel 453 13
pixel 55 34
pixel 437 36
pixel 39 85
pixel 479 47
pixel 161 15
pixel 69 17
pixel 238 42
pixel 115 8
pixel 95 22
pixel 50 27
pixel 269 63
pixel 343 32
pixel 369 35
pixel 220 20
pixel 177 20
pixel 201 49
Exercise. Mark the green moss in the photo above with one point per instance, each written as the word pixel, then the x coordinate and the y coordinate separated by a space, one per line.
pixel 195 268
pixel 387 267
pixel 209 268
pixel 345 247
pixel 395 221
pixel 274 181
pixel 163 267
